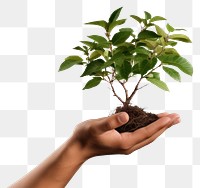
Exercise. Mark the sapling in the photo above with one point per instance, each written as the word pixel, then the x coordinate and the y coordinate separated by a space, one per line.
pixel 119 56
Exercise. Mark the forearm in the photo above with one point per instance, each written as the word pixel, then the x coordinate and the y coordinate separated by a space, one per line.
pixel 57 170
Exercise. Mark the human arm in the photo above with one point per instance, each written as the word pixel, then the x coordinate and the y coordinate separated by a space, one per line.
pixel 92 138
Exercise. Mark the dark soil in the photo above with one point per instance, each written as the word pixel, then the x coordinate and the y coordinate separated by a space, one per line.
pixel 138 118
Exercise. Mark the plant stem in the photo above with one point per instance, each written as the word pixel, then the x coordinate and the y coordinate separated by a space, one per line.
pixel 137 85
pixel 134 91
pixel 125 90
pixel 113 90
pixel 152 70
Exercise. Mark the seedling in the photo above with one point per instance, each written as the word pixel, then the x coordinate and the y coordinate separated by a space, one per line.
pixel 117 57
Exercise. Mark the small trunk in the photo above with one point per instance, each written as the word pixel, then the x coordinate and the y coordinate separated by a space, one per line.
pixel 128 100
pixel 126 104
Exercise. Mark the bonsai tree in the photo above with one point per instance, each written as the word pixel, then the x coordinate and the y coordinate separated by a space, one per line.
pixel 117 57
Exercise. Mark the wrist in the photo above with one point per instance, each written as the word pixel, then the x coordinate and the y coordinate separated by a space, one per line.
pixel 74 149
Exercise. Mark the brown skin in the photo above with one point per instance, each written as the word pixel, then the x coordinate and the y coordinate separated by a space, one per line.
pixel 92 138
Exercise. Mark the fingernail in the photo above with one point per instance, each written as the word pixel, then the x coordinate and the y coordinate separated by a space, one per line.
pixel 122 117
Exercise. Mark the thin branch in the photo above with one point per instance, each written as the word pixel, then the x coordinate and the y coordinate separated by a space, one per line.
pixel 113 74
pixel 152 70
pixel 143 86
pixel 125 90
pixel 134 91
pixel 137 85
pixel 113 90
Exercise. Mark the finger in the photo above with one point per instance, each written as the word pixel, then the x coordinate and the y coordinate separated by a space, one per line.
pixel 133 138
pixel 147 141
pixel 162 114
pixel 152 138
pixel 106 124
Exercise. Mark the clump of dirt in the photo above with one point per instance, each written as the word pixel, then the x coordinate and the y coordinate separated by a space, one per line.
pixel 138 118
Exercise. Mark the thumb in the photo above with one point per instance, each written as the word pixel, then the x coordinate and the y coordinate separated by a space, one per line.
pixel 111 122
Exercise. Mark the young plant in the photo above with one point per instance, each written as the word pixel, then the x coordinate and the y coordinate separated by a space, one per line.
pixel 117 57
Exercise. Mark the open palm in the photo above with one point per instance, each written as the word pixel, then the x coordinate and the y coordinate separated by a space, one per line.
pixel 99 137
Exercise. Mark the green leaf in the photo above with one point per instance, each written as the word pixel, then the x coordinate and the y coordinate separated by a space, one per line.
pixel 138 58
pixel 105 54
pixel 118 58
pixel 142 50
pixel 95 46
pixel 144 66
pixel 156 75
pixel 93 67
pixel 153 62
pixel 115 15
pixel 124 70
pixel 150 43
pixel 79 48
pixel 158 49
pixel 144 22
pixel 150 24
pixel 94 55
pixel 127 45
pixel 170 28
pixel 131 48
pixel 140 68
pixel 162 41
pixel 102 42
pixel 172 43
pixel 69 62
pixel 118 76
pixel 178 61
pixel 93 82
pixel 85 47
pixel 100 23
pixel 120 48
pixel 88 43
pixel 180 37
pixel 137 18
pixel 172 73
pixel 120 37
pixel 107 64
pixel 147 15
pixel 126 30
pixel 158 83
pixel 146 34
pixel 116 23
pixel 157 18
pixel 170 51
pixel 98 38
pixel 103 73
pixel 160 31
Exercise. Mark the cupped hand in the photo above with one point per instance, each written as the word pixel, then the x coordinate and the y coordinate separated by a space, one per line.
pixel 99 137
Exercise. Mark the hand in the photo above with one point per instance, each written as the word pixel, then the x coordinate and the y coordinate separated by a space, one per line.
pixel 92 138
pixel 99 137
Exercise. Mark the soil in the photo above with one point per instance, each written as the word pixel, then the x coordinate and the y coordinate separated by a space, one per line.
pixel 138 118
